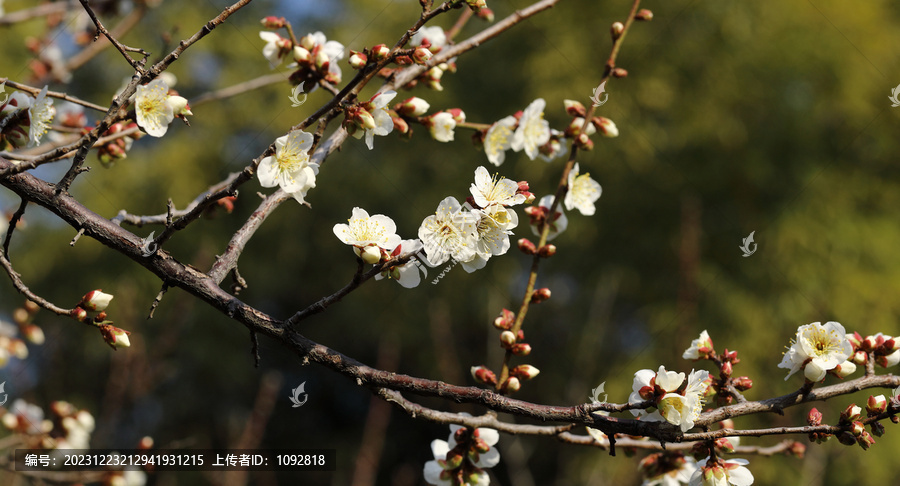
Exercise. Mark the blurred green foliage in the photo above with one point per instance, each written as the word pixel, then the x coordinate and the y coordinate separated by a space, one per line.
pixel 735 117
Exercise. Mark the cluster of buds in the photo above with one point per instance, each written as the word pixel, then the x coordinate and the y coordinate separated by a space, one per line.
pixel 118 148
pixel 468 453
pixel 514 342
pixel 314 58
pixel 884 350
pixel 23 317
pixel 95 302
pixel 855 432
pixel 67 427
pixel 12 346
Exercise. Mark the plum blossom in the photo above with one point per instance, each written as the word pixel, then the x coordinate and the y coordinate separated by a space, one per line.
pixel 276 48
pixel 441 126
pixel 407 274
pixel 290 167
pixel 368 234
pixel 434 35
pixel 682 410
pixel 384 124
pixel 41 112
pixel 487 190
pixel 582 193
pixel 450 232
pixel 722 473
pixel 667 469
pixel 498 140
pixel 817 348
pixel 462 458
pixel 699 347
pixel 155 108
pixel 492 235
pixel 533 131
pixel 558 221
pixel 333 49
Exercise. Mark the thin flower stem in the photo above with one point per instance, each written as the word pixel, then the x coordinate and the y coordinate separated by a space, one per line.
pixel 53 94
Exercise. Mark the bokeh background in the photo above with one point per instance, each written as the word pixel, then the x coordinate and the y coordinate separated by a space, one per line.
pixel 736 116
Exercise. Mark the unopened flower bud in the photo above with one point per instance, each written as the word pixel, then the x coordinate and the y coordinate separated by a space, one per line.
pixel 380 52
pixel 877 429
pixel 540 295
pixel 889 360
pixel 21 316
pixel 526 246
pixel 421 55
pixel 31 307
pixel 79 314
pixel 643 14
pixel 727 368
pixel 301 54
pixel 605 126
pixel 272 22
pixel 865 440
pixel 855 339
pixel 844 369
pixel 574 108
pixel 726 424
pixel 370 254
pixel 357 60
pixel 851 413
pixel 619 73
pixel 476 4
pixel 33 333
pixel 483 375
pixel 724 445
pixel 485 13
pixel 507 338
pixel 547 251
pixel 797 450
pixel 524 372
pixel 814 417
pixel 859 358
pixel 521 349
pixel 876 405
pixel 459 116
pixel 95 300
pixel 512 384
pixel 616 30
pixel 115 337
pixel 412 107
pixel 584 142
pixel 18 348
pixel 505 320
pixel 743 383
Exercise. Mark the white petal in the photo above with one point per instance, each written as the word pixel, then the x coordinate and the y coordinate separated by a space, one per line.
pixel 489 459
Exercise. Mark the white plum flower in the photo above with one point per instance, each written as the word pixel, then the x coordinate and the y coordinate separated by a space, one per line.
pixel 275 49
pixel 682 410
pixel 724 473
pixel 582 193
pixel 450 232
pixel 290 167
pixel 818 348
pixel 40 113
pixel 533 131
pixel 498 140
pixel 333 49
pixel 702 345
pixel 384 124
pixel 368 234
pixel 435 35
pixel 407 274
pixel 439 472
pixel 492 235
pixel 154 111
pixel 557 221
pixel 646 381
pixel 670 469
pixel 441 126
pixel 488 190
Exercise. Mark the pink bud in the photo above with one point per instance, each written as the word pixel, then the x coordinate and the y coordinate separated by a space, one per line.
pixel 605 126
pixel 619 73
pixel 521 349
pixel 505 320
pixel 644 14
pixel 483 375
pixel 512 384
pixel 540 295
pixel 421 55
pixel 547 251
pixel 524 372
pixel 272 22
pixel 458 115
pixel 727 368
pixel 485 14
pixel 743 383
pixel 814 417
pixel 574 108
pixel 851 413
pixel 876 405
pixel 507 338
pixel 357 60
pixel 412 107
pixel 526 246
pixel 115 337
pixel 380 52
pixel 616 30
